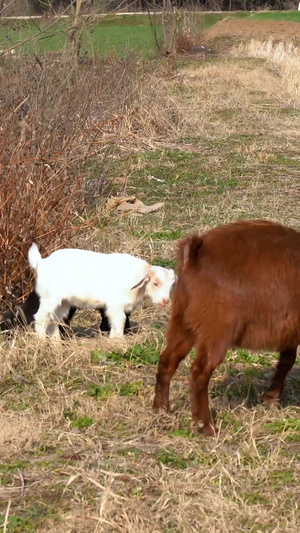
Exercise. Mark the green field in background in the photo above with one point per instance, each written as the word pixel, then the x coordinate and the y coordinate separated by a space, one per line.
pixel 110 34
pixel 292 16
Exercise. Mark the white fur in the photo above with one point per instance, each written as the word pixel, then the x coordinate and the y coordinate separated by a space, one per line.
pixel 81 278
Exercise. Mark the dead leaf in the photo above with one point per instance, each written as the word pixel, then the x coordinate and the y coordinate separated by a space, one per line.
pixel 139 207
pixel 115 201
pixel 121 180
pixel 132 204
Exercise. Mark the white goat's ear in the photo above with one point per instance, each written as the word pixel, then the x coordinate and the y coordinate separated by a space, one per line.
pixel 141 283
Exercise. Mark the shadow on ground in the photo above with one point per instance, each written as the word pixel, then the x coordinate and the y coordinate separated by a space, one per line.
pixel 248 386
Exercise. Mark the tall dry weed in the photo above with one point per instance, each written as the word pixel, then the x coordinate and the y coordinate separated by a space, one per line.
pixel 190 103
pixel 284 57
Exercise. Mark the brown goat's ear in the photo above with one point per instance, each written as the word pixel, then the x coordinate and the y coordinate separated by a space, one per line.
pixel 194 248
pixel 141 283
pixel 190 251
pixel 186 253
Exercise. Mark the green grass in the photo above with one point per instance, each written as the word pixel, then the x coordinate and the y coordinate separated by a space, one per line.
pixel 183 433
pixel 164 235
pixel 29 520
pixel 182 174
pixel 118 39
pixel 210 19
pixel 288 428
pixel 292 16
pixel 144 354
pixel 242 356
pixel 80 422
pixel 13 467
pixel 103 392
pixel 130 389
pixel 100 392
pixel 171 458
pixel 112 34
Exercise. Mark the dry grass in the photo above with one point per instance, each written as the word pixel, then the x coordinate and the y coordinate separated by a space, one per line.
pixel 81 448
pixel 79 440
pixel 283 58
pixel 280 30
pixel 194 101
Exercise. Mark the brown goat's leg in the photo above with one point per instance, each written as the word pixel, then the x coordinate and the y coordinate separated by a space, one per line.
pixel 285 363
pixel 180 342
pixel 202 369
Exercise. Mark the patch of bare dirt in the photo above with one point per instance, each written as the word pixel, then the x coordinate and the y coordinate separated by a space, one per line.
pixel 255 28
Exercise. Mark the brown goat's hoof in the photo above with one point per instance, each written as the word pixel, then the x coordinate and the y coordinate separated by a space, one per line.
pixel 272 398
pixel 209 431
pixel 206 429
pixel 157 407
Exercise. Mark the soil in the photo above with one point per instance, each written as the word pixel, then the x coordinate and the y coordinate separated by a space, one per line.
pixel 255 28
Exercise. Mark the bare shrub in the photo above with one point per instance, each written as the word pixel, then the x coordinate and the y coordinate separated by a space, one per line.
pixel 189 36
pixel 53 118
pixel 36 204
pixel 180 30
pixel 184 43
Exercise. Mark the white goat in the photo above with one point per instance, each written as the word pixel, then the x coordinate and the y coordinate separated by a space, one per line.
pixel 117 282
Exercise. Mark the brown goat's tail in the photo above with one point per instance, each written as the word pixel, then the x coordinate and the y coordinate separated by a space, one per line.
pixel 188 252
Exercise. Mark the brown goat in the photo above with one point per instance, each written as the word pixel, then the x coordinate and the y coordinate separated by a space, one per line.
pixel 238 285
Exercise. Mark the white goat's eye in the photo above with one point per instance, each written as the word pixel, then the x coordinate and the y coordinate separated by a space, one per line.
pixel 156 283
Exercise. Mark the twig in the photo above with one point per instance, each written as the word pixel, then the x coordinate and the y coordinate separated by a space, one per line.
pixel 6 516
pixel 102 487
pixel 107 522
pixel 22 482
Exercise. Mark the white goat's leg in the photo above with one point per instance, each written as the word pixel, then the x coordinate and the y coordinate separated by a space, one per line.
pixel 53 331
pixel 41 328
pixel 60 313
pixel 44 317
pixel 117 318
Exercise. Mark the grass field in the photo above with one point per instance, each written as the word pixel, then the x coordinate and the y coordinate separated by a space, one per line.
pixel 111 35
pixel 81 450
pixel 292 16
pixel 114 34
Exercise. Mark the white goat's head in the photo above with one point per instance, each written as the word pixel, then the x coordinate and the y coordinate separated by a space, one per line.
pixel 160 285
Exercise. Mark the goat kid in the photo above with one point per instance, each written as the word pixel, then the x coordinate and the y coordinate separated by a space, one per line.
pixel 238 286
pixel 81 278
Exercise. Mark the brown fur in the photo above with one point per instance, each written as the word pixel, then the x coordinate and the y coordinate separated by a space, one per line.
pixel 238 285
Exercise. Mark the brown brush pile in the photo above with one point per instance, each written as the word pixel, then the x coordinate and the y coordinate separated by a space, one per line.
pixel 53 115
